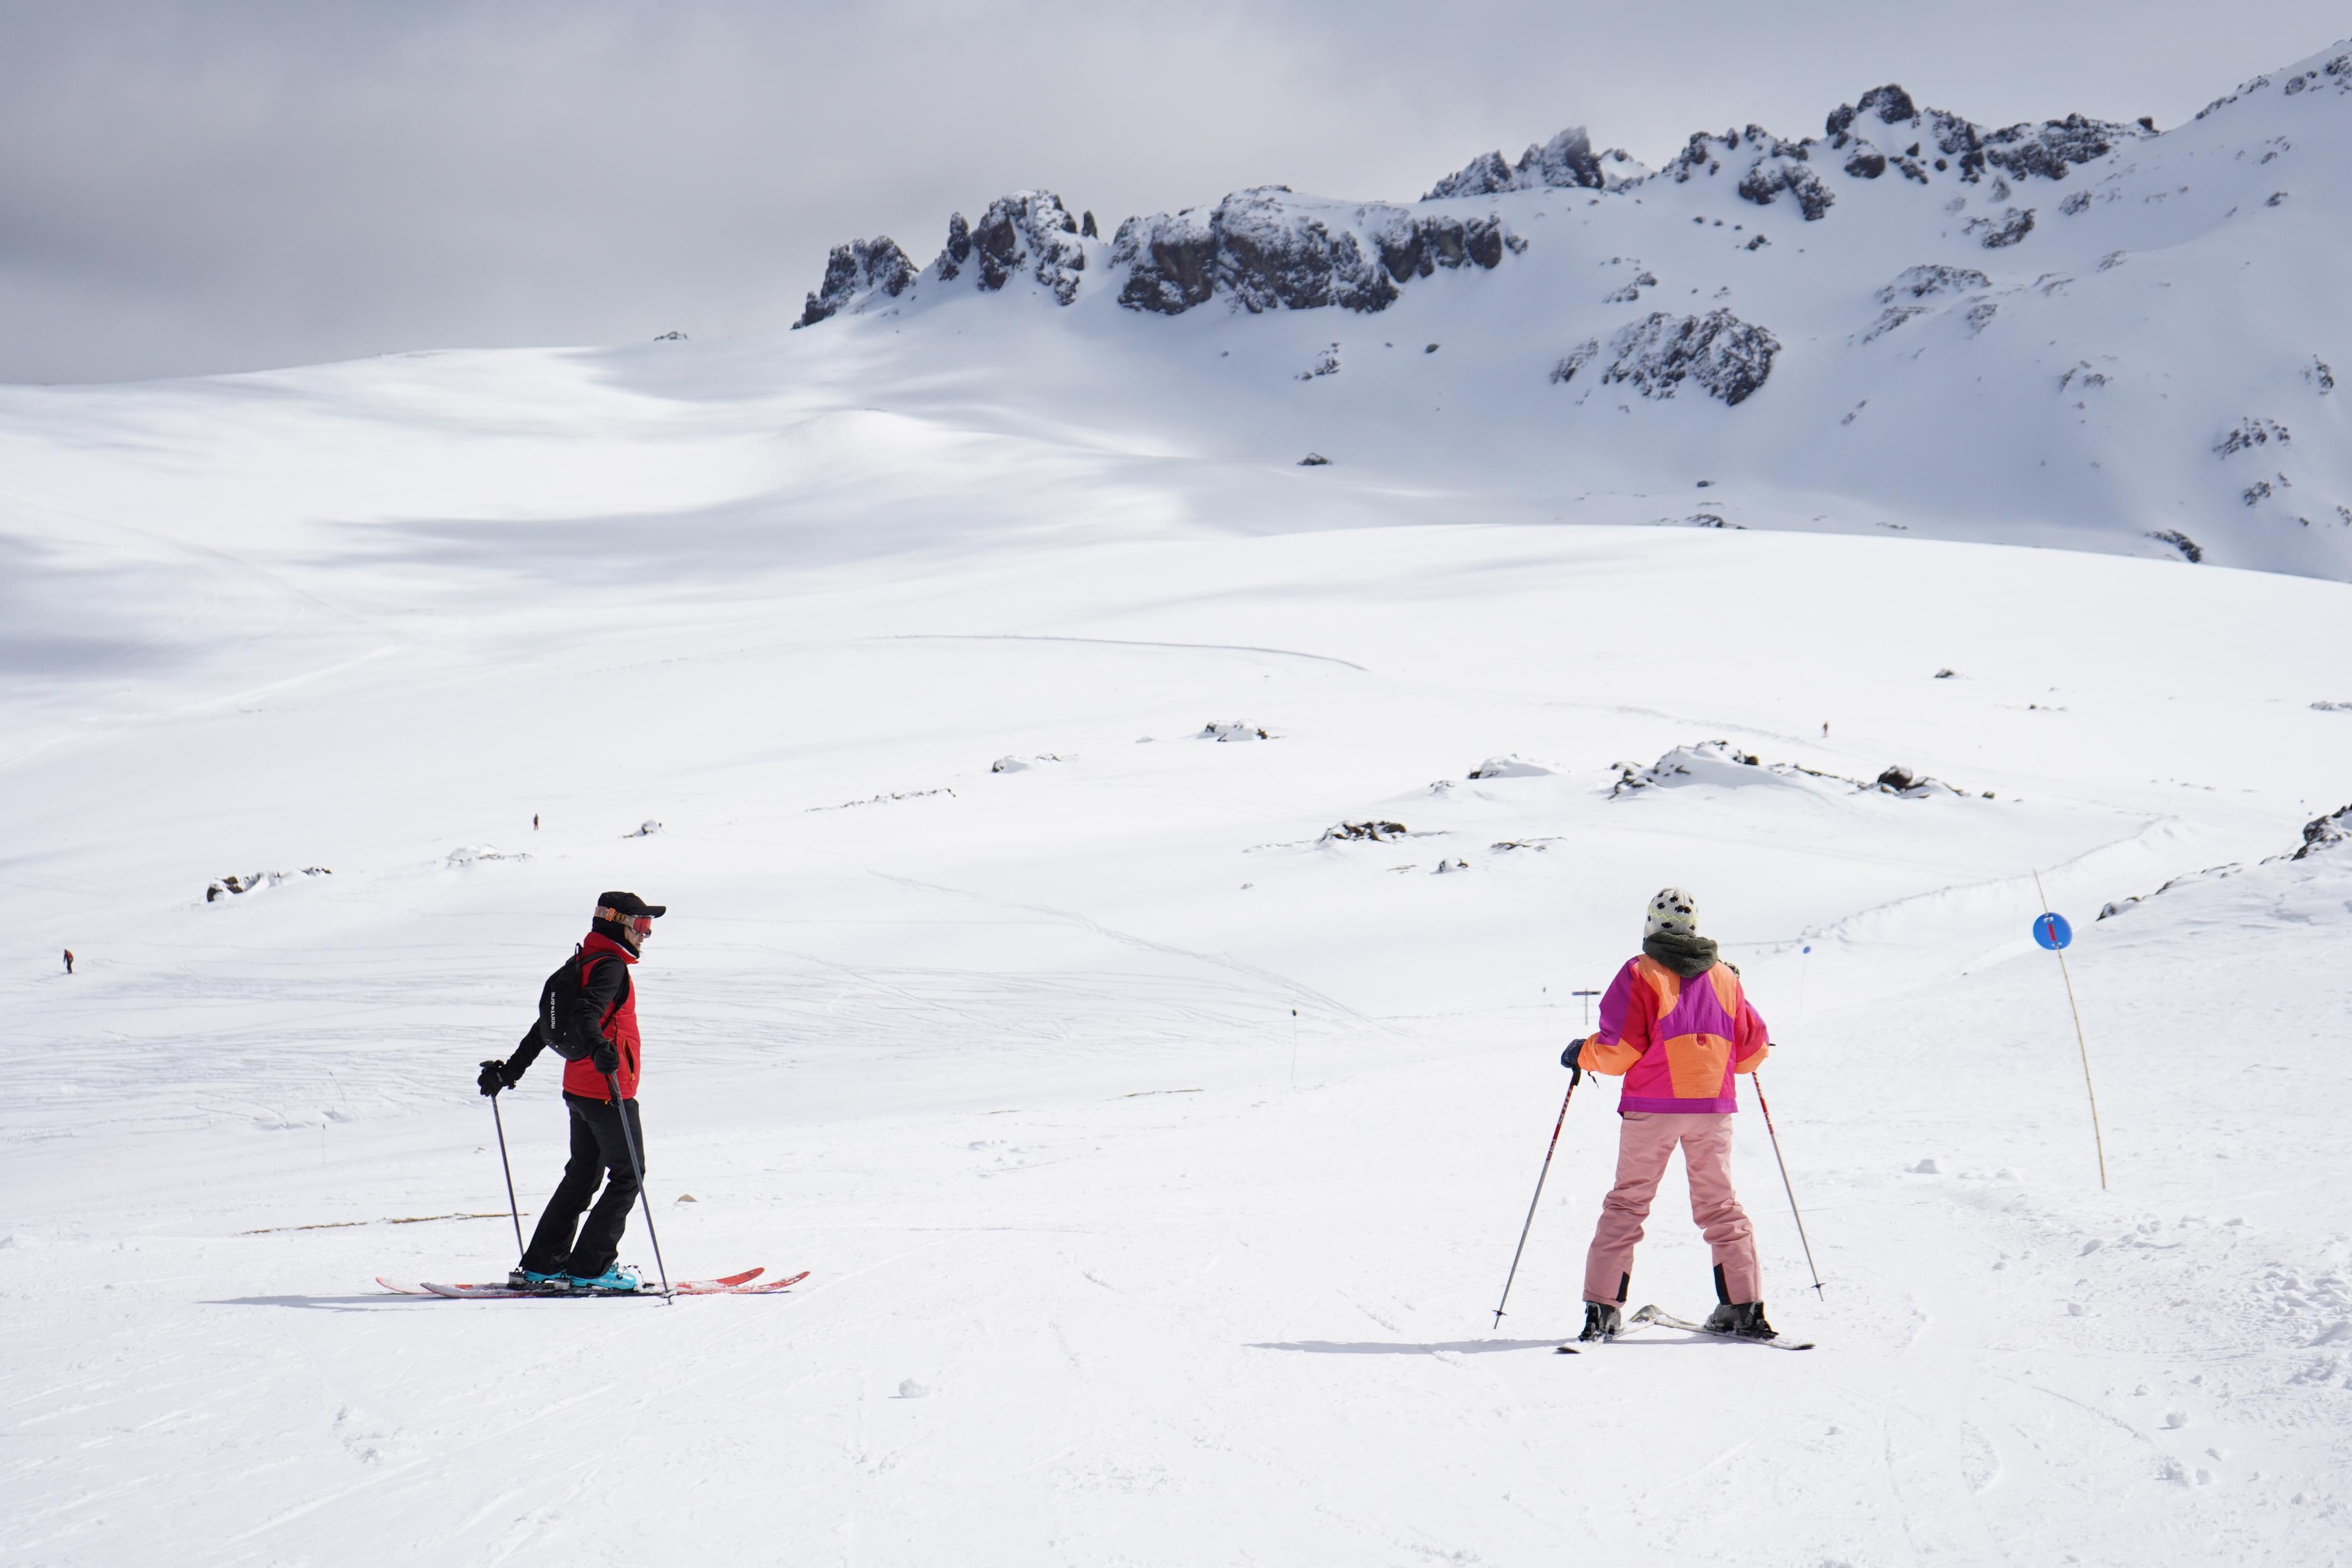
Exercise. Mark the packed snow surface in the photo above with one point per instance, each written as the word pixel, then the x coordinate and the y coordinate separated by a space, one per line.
pixel 1155 1120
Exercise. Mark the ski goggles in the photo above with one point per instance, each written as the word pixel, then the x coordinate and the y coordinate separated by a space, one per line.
pixel 638 926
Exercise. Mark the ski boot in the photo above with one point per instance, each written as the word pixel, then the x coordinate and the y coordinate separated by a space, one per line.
pixel 616 1280
pixel 1601 1322
pixel 525 1280
pixel 1742 1320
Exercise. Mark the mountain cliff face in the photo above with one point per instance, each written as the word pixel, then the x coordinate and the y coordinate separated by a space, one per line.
pixel 2075 319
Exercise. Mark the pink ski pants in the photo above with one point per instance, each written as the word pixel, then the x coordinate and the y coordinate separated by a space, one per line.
pixel 1644 1144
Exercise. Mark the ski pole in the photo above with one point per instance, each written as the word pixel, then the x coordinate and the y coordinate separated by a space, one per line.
pixel 1532 1202
pixel 1758 1079
pixel 638 1169
pixel 512 1207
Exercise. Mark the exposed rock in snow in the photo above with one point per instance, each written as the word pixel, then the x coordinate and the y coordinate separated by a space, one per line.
pixel 2322 835
pixel 1727 357
pixel 1721 762
pixel 857 269
pixel 255 881
pixel 1567 161
pixel 1886 117
pixel 2319 375
pixel 670 338
pixel 1264 250
pixel 1213 730
pixel 2327 832
pixel 2188 549
pixel 1374 832
pixel 1314 460
pixel 956 251
pixel 1768 177
pixel 1510 767
pixel 1253 246
pixel 2249 433
pixel 645 829
pixel 476 853
pixel 1930 279
pixel 1028 231
pixel 1708 761
pixel 886 799
pixel 1999 234
pixel 1326 363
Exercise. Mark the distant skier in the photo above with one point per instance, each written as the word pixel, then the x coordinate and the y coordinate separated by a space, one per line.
pixel 606 1015
pixel 1676 1024
pixel 69 961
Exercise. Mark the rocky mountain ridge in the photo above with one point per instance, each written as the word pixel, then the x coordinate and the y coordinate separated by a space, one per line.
pixel 2128 336
pixel 1266 248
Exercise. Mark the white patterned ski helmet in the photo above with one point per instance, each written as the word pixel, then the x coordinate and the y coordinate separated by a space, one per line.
pixel 1672 910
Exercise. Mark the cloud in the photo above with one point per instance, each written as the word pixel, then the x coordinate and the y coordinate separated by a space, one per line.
pixel 198 188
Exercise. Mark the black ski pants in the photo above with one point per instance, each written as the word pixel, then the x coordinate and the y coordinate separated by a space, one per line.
pixel 597 1153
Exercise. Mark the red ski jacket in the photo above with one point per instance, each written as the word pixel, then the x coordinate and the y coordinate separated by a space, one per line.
pixel 619 1025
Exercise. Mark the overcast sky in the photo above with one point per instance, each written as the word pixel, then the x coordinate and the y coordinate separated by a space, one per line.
pixel 241 184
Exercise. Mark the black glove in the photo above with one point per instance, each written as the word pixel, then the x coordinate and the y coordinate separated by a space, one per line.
pixel 494 1078
pixel 1570 1060
pixel 605 1058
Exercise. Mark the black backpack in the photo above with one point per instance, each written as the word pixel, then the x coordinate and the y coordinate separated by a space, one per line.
pixel 559 1008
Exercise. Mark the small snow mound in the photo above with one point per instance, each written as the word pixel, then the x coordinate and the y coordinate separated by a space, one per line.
pixel 1213 730
pixel 258 881
pixel 910 1389
pixel 1926 1168
pixel 1510 767
pixel 645 829
pixel 1444 866
pixel 474 853
pixel 19 1238
pixel 1709 762
pixel 2334 1334
pixel 1008 765
pixel 2332 707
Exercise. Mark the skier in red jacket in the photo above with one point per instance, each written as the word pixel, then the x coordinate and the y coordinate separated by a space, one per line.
pixel 556 1258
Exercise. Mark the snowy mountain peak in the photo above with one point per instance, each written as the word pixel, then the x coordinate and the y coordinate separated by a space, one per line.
pixel 2079 322
pixel 1567 161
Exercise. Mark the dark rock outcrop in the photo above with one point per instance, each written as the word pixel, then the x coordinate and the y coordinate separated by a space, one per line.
pixel 1567 161
pixel 1727 358
pixel 1265 252
pixel 2249 433
pixel 1032 232
pixel 857 268
pixel 1872 131
pixel 1996 233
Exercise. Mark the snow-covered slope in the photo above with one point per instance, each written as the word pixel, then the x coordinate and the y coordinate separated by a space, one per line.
pixel 2072 331
pixel 1128 893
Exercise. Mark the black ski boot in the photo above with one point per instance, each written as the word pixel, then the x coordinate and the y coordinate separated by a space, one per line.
pixel 1743 1320
pixel 1601 1322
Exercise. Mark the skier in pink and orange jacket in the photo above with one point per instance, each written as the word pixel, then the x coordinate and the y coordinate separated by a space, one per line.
pixel 1677 1026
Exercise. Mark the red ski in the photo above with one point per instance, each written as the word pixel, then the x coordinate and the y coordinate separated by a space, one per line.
pixel 725 1285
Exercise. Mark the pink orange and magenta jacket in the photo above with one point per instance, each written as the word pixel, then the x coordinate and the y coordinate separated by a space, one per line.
pixel 1677 1041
